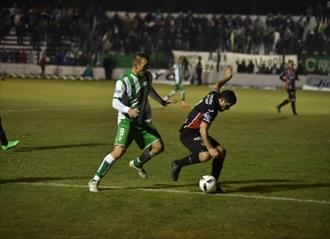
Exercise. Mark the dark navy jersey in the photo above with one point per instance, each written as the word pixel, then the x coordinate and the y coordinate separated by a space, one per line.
pixel 205 110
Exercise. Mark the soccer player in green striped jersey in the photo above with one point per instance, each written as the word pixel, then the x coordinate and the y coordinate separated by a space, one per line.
pixel 134 119
pixel 180 69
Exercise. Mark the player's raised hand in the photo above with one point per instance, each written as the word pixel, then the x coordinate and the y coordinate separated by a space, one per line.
pixel 228 73
pixel 169 101
pixel 133 113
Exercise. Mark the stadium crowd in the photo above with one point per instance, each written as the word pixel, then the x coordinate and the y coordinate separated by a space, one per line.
pixel 93 30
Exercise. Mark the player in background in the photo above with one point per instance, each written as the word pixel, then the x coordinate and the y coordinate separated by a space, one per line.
pixel 43 63
pixel 180 73
pixel 134 119
pixel 194 133
pixel 199 71
pixel 6 144
pixel 289 76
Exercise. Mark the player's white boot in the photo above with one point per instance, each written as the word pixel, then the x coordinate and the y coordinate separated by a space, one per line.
pixel 141 171
pixel 93 186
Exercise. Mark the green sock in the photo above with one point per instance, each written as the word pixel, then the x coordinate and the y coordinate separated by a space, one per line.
pixel 105 166
pixel 143 158
pixel 183 95
pixel 137 163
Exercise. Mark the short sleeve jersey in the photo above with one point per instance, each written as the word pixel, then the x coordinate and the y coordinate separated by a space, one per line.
pixel 205 110
pixel 133 92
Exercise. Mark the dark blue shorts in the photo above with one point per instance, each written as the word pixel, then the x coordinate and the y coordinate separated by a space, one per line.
pixel 291 94
pixel 193 141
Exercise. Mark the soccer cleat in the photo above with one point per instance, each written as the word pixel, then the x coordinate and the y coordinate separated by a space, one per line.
pixel 10 145
pixel 173 101
pixel 185 105
pixel 278 109
pixel 93 186
pixel 142 173
pixel 218 189
pixel 175 171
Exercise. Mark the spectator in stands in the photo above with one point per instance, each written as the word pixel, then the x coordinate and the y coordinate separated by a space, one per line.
pixel 250 67
pixel 241 66
pixel 61 58
pixel 30 57
pixel 327 11
pixel 262 69
pixel 199 71
pixel 23 56
pixel 257 36
pixel 274 34
pixel 108 65
pixel 43 63
pixel 19 26
pixel 88 72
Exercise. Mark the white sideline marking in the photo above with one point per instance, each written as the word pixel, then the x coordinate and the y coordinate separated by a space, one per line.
pixel 50 109
pixel 180 191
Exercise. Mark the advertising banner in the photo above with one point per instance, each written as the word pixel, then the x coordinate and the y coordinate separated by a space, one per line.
pixel 317 82
pixel 319 65
pixel 216 61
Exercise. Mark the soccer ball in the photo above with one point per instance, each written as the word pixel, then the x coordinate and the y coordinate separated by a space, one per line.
pixel 207 184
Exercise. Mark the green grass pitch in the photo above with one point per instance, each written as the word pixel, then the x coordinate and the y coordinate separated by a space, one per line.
pixel 276 174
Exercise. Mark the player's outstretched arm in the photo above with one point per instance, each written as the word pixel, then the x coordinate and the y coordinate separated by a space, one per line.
pixel 228 74
pixel 153 93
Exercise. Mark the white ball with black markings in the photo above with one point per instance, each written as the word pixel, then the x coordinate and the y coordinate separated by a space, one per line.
pixel 207 183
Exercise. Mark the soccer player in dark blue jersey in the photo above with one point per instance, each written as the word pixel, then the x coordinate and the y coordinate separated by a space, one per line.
pixel 194 133
pixel 289 76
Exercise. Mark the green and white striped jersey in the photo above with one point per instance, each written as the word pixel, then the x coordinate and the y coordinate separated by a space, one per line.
pixel 178 73
pixel 132 91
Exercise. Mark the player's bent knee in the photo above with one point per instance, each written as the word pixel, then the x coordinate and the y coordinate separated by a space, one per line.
pixel 222 151
pixel 118 151
pixel 222 155
pixel 157 147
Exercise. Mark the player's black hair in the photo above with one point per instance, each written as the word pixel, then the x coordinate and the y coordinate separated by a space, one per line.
pixel 140 55
pixel 229 96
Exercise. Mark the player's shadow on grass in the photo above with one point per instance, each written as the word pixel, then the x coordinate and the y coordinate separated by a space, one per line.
pixel 178 185
pixel 256 186
pixel 279 118
pixel 155 186
pixel 269 186
pixel 162 185
pixel 37 179
pixel 50 147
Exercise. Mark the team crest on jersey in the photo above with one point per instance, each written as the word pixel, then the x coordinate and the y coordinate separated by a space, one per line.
pixel 207 117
